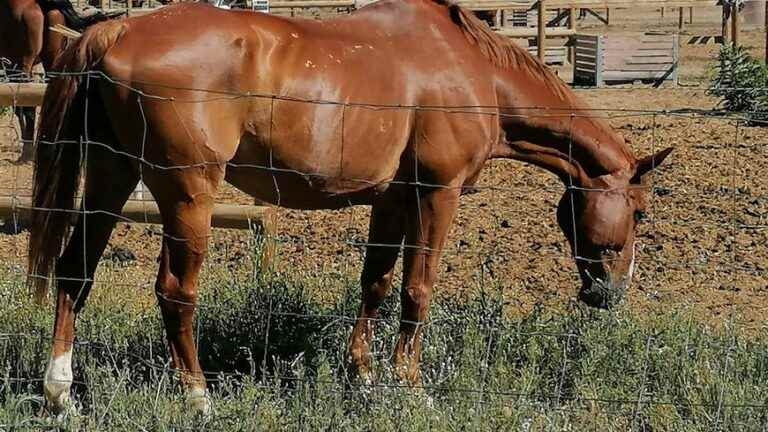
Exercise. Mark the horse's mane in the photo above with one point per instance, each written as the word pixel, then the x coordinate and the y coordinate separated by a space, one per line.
pixel 502 52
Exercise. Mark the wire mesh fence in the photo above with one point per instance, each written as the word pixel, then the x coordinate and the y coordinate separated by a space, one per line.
pixel 505 339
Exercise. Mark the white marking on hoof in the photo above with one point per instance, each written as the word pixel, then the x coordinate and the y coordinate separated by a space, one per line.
pixel 57 382
pixel 199 401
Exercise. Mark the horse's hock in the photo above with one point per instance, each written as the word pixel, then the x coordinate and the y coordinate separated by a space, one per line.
pixel 646 57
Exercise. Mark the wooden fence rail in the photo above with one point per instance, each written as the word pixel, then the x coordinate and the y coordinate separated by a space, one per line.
pixel 231 216
pixel 24 95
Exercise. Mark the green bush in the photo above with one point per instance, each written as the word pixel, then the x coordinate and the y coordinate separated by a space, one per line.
pixel 742 83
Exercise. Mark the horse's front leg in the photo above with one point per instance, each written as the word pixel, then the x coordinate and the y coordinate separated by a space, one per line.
pixel 385 237
pixel 26 116
pixel 429 220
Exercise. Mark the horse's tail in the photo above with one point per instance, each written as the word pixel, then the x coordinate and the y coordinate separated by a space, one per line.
pixel 58 162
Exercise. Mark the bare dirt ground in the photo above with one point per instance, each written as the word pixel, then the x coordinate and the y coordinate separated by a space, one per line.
pixel 703 249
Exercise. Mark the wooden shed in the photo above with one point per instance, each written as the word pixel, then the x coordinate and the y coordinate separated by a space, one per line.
pixel 646 57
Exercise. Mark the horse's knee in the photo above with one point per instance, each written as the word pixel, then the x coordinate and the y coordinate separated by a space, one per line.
pixel 416 299
pixel 376 289
pixel 169 290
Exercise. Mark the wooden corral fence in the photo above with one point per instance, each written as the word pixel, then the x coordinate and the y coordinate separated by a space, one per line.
pixel 553 18
pixel 566 11
pixel 619 59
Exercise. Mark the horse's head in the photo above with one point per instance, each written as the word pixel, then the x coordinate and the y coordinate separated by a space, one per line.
pixel 598 217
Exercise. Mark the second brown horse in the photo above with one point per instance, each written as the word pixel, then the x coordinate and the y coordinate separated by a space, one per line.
pixel 397 106
pixel 26 40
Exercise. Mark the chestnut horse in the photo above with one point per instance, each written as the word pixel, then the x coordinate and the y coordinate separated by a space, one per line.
pixel 398 106
pixel 26 40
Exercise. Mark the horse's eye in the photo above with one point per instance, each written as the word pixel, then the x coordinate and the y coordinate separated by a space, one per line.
pixel 639 216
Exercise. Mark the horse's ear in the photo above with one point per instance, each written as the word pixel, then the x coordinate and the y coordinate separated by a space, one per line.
pixel 649 163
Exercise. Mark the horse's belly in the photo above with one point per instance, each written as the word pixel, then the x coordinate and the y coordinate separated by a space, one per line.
pixel 292 190
pixel 270 179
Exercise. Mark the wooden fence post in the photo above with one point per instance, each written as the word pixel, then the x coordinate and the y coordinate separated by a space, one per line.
pixel 542 31
pixel 680 19
pixel 572 26
pixel 599 61
pixel 735 23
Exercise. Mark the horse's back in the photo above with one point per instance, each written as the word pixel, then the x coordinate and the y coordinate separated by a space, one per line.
pixel 315 91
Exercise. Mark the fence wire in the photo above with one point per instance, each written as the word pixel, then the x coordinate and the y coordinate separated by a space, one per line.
pixel 731 215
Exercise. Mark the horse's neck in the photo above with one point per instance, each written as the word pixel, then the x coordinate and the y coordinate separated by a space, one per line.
pixel 552 119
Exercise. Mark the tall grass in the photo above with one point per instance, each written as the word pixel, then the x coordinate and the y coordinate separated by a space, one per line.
pixel 276 357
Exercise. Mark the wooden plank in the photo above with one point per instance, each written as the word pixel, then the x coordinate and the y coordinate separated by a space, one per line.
pixel 653 53
pixel 651 60
pixel 634 75
pixel 624 42
pixel 303 4
pixel 532 32
pixel 636 68
pixel 656 36
pixel 735 24
pixel 224 215
pixel 553 55
pixel 599 80
pixel 586 59
pixel 587 43
pixel 541 38
pixel 572 26
pixel 586 52
pixel 23 94
pixel 676 55
pixel 587 38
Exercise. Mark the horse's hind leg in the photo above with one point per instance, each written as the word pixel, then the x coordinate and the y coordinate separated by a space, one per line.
pixel 109 181
pixel 185 198
pixel 26 116
pixel 385 236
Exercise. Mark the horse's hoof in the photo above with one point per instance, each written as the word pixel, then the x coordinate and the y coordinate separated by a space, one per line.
pixel 199 401
pixel 57 399
pixel 62 408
